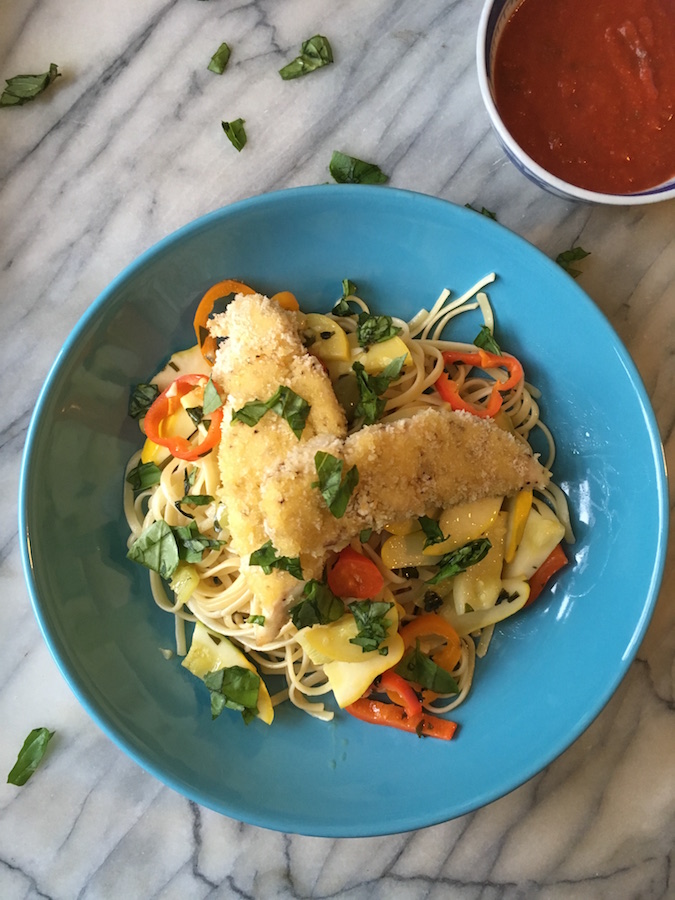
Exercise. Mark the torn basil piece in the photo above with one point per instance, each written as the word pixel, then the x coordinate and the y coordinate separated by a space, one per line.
pixel 144 476
pixel 485 340
pixel 267 558
pixel 30 756
pixel 314 54
pixel 461 559
pixel 156 549
pixel 22 88
pixel 284 402
pixel 432 530
pixel 235 688
pixel 372 624
pixel 371 405
pixel 350 170
pixel 569 256
pixel 235 133
pixel 220 59
pixel 141 399
pixel 372 329
pixel 335 489
pixel 417 667
pixel 318 606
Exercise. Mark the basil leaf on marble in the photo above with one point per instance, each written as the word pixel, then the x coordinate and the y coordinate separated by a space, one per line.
pixel 22 88
pixel 318 606
pixel 220 59
pixel 334 489
pixel 350 170
pixel 235 133
pixel 314 54
pixel 574 254
pixel 30 756
pixel 483 211
pixel 267 558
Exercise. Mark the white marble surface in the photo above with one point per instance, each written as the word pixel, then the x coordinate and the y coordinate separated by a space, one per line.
pixel 126 147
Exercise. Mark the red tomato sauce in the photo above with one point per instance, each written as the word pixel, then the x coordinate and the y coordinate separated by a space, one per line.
pixel 587 88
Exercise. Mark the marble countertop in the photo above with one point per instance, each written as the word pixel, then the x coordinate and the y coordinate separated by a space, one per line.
pixel 124 148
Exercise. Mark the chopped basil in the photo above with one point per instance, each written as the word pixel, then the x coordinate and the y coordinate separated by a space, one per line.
pixel 234 687
pixel 364 536
pixel 315 53
pixel 235 133
pixel 284 402
pixel 267 558
pixel 196 413
pixel 256 620
pixel 22 88
pixel 318 606
pixel 191 542
pixel 334 489
pixel 189 479
pixel 341 308
pixel 432 601
pixel 212 399
pixel 569 256
pixel 417 667
pixel 483 211
pixel 143 476
pixel 197 499
pixel 141 399
pixel 372 624
pixel 371 406
pixel 461 559
pixel 220 59
pixel 30 756
pixel 372 329
pixel 156 548
pixel 432 530
pixel 350 170
pixel 485 340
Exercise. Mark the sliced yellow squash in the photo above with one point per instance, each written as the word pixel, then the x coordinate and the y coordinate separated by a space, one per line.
pixel 480 585
pixel 331 343
pixel 465 522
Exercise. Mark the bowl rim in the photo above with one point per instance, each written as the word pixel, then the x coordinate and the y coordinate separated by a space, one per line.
pixel 112 729
pixel 570 191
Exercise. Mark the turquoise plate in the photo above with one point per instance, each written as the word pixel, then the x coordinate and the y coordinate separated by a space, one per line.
pixel 549 670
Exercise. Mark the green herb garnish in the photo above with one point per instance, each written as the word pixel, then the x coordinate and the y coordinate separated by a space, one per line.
pixel 235 133
pixel 234 687
pixel 284 402
pixel 30 756
pixel 372 624
pixel 485 340
pixel 143 476
pixel 335 489
pixel 318 606
pixel 341 308
pixel 350 170
pixel 156 548
pixel 372 329
pixel 220 59
pixel 483 211
pixel 141 399
pixel 417 667
pixel 256 620
pixel 314 54
pixel 267 558
pixel 569 256
pixel 371 405
pixel 22 88
pixel 432 530
pixel 364 536
pixel 461 559
pixel 212 399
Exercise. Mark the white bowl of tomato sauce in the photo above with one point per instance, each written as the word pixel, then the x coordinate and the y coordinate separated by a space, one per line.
pixel 582 94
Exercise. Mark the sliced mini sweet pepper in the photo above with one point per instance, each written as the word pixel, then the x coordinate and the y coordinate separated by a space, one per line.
pixel 207 343
pixel 430 624
pixel 378 712
pixel 163 408
pixel 552 564
pixel 449 390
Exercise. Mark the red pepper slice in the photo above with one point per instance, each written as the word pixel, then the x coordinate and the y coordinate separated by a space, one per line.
pixel 449 390
pixel 400 692
pixel 432 624
pixel 165 405
pixel 377 712
pixel 552 564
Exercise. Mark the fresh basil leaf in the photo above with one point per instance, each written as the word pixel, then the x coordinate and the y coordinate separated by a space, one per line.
pixel 371 406
pixel 315 53
pixel 267 558
pixel 234 687
pixel 192 543
pixel 141 399
pixel 461 559
pixel 334 489
pixel 22 88
pixel 212 399
pixel 220 59
pixel 483 211
pixel 372 329
pixel 284 402
pixel 143 476
pixel 197 499
pixel 256 620
pixel 30 756
pixel 432 530
pixel 574 254
pixel 350 170
pixel 235 133
pixel 318 606
pixel 417 667
pixel 372 624
pixel 485 340
pixel 364 536
pixel 157 549
pixel 196 413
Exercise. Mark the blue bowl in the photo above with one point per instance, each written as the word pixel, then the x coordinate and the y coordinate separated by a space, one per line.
pixel 549 671
pixel 494 17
